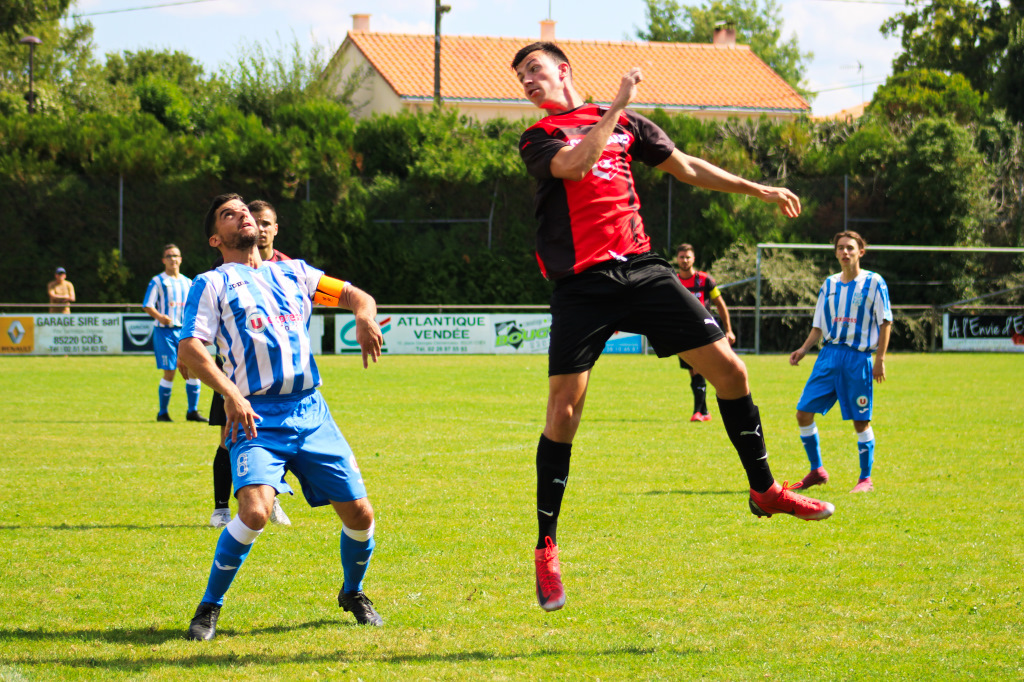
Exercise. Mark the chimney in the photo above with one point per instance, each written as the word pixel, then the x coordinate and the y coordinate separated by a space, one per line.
pixel 725 34
pixel 547 30
pixel 361 22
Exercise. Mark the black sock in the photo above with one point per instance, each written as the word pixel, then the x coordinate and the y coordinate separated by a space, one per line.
pixel 700 393
pixel 552 475
pixel 221 478
pixel 743 424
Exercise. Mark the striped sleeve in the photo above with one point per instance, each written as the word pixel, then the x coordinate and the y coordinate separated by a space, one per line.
pixel 819 310
pixel 152 297
pixel 883 311
pixel 201 319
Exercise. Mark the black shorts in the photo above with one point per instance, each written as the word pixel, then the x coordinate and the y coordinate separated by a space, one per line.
pixel 641 296
pixel 218 417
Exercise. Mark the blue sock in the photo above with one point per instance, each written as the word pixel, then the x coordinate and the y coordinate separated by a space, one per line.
pixel 192 393
pixel 356 549
pixel 233 546
pixel 866 450
pixel 812 445
pixel 165 395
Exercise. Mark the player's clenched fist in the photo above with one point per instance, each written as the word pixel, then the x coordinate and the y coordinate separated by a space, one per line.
pixel 627 88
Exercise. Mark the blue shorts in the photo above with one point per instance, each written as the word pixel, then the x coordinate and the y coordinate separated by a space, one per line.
pixel 297 431
pixel 844 374
pixel 165 347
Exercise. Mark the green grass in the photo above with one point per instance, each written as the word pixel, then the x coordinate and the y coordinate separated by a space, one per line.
pixel 105 550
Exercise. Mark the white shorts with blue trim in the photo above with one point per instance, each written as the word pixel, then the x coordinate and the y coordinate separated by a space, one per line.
pixel 296 432
pixel 844 374
pixel 165 347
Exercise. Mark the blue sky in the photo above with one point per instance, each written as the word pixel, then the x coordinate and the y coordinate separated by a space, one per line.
pixel 841 34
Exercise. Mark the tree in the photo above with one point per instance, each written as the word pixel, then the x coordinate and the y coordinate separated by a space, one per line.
pixel 1008 90
pixel 918 93
pixel 956 36
pixel 19 18
pixel 758 23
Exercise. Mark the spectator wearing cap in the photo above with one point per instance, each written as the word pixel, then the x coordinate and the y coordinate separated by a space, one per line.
pixel 61 293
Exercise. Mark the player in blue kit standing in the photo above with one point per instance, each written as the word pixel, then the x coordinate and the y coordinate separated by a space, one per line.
pixel 165 303
pixel 257 313
pixel 854 318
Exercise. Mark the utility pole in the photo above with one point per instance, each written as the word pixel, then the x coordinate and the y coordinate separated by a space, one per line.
pixel 31 41
pixel 439 9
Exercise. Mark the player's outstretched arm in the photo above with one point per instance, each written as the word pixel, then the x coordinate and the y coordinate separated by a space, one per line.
pixel 368 333
pixel 812 339
pixel 573 163
pixel 330 291
pixel 700 173
pixel 192 354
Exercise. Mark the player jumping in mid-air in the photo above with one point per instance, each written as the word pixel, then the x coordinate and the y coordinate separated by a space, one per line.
pixel 257 314
pixel 591 241
pixel 165 302
pixel 705 290
pixel 854 318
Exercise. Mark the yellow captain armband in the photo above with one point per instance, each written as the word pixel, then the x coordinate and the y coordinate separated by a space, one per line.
pixel 715 293
pixel 328 291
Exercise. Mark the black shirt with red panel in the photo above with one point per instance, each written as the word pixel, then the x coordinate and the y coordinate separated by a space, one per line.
pixel 700 284
pixel 596 219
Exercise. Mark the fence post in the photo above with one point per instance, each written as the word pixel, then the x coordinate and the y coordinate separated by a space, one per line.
pixel 757 306
pixel 120 216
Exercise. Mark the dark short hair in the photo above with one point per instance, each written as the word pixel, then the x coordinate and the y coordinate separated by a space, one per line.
pixel 849 234
pixel 211 213
pixel 550 49
pixel 260 205
pixel 685 247
pixel 168 246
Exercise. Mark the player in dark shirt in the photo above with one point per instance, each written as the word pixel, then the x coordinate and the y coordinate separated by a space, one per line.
pixel 705 290
pixel 591 241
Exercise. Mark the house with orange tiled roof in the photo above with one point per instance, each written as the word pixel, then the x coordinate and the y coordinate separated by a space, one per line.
pixel 713 81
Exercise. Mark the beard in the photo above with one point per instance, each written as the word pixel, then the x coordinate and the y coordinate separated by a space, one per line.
pixel 240 241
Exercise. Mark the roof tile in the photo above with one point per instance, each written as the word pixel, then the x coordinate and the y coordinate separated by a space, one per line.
pixel 675 74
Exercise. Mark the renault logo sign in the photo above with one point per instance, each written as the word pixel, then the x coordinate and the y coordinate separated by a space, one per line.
pixel 16 332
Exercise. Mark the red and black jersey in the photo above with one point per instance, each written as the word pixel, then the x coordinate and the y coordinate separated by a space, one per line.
pixel 701 285
pixel 596 219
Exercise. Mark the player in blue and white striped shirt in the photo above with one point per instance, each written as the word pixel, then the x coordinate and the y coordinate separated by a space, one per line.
pixel 165 303
pixel 257 313
pixel 854 318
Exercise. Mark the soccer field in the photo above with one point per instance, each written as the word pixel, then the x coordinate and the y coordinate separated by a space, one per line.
pixel 106 551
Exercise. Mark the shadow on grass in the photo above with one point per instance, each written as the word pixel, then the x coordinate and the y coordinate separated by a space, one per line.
pixel 201 658
pixel 693 492
pixel 148 636
pixel 105 526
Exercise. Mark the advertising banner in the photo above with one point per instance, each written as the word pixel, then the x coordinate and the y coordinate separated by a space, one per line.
pixel 17 335
pixel 61 334
pixel 137 334
pixel 420 334
pixel 523 334
pixel 475 333
pixel 1002 333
